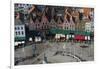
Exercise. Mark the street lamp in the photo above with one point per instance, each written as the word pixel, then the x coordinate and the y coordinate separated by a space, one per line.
pixel 64 48
pixel 23 50
pixel 89 46
pixel 34 47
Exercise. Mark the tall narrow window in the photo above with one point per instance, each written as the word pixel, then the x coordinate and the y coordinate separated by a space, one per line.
pixel 19 33
pixel 22 32
pixel 18 28
pixel 21 28
pixel 16 32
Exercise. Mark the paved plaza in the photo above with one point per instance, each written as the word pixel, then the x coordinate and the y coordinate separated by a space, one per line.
pixel 54 52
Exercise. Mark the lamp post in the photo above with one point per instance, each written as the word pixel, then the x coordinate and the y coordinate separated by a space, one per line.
pixel 23 49
pixel 33 47
pixel 64 48
pixel 89 46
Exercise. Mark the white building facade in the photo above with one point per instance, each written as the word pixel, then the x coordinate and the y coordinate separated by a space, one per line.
pixel 20 31
pixel 89 27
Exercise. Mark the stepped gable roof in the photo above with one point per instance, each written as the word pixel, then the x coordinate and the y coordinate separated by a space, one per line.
pixel 59 20
pixel 52 21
